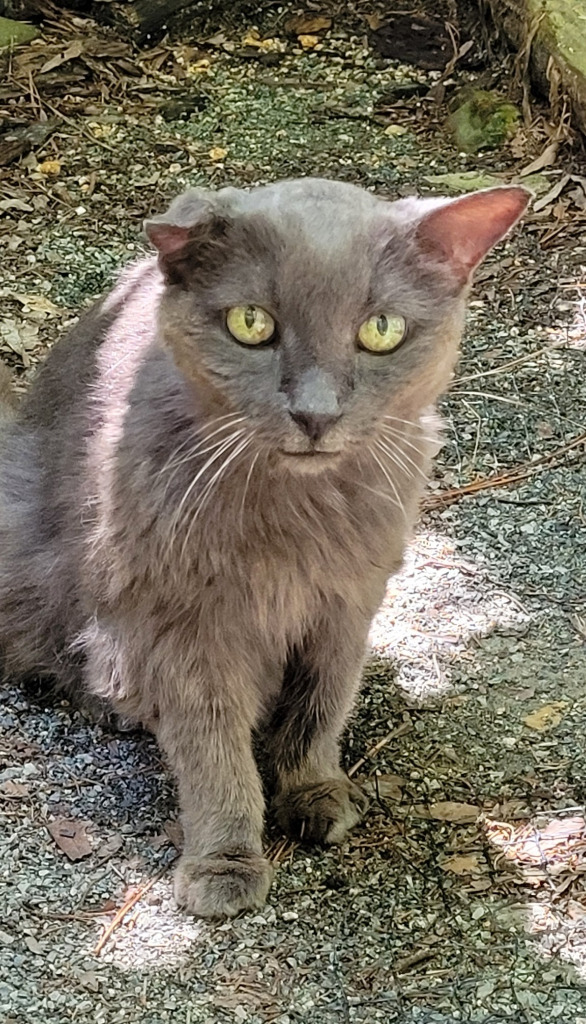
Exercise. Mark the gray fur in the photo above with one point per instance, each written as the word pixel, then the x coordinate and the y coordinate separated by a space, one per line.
pixel 210 592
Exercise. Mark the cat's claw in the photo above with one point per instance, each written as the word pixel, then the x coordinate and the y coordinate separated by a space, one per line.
pixel 223 884
pixel 322 812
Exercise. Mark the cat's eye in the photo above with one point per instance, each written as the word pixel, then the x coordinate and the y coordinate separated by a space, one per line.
pixel 382 333
pixel 251 325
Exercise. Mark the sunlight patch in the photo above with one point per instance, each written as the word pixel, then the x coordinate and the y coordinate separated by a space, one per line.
pixel 432 610
pixel 154 934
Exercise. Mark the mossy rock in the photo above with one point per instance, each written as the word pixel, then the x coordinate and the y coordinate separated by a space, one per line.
pixel 482 120
pixel 15 33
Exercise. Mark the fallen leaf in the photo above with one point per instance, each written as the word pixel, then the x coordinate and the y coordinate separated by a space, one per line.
pixel 307 24
pixel 36 303
pixel 463 864
pixel 13 790
pixel 553 193
pixel 50 167
pixel 109 847
pixel 374 21
pixel 308 42
pixel 546 717
pixel 395 129
pixel 216 153
pixel 388 787
pixel 546 159
pixel 71 837
pixel 15 204
pixel 74 50
pixel 174 830
pixel 446 810
pixel 89 980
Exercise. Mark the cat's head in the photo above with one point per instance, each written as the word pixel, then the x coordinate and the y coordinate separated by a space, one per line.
pixel 314 309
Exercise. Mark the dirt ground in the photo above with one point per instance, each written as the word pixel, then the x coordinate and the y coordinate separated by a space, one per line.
pixel 462 896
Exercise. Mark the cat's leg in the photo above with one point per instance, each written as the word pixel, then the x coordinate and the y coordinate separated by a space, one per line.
pixel 203 716
pixel 315 800
pixel 208 742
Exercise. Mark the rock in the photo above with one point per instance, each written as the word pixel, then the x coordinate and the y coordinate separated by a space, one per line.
pixel 482 120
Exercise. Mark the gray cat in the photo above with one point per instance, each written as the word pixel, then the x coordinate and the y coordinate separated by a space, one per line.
pixel 212 478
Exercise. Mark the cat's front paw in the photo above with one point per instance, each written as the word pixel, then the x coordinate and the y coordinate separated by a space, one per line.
pixel 222 884
pixel 322 812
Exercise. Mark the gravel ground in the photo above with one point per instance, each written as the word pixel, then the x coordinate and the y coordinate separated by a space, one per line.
pixel 462 896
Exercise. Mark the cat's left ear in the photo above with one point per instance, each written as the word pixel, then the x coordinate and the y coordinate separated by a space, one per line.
pixel 460 232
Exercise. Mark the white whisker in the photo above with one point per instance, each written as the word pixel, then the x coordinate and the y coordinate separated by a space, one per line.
pixel 224 446
pixel 244 492
pixel 390 480
pixel 402 459
pixel 213 482
pixel 174 463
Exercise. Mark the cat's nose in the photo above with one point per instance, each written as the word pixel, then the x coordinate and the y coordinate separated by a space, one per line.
pixel 315 424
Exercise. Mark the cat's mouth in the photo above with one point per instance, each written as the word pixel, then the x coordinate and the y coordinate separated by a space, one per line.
pixel 313 453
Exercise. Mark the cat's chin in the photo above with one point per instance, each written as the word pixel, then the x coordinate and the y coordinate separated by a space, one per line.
pixel 309 463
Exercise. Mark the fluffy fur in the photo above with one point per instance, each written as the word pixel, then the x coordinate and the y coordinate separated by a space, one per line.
pixel 198 533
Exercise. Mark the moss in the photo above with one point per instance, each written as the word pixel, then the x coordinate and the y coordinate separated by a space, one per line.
pixel 14 33
pixel 482 120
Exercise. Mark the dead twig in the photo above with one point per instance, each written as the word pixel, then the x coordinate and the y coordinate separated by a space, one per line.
pixel 124 909
pixel 401 730
pixel 513 476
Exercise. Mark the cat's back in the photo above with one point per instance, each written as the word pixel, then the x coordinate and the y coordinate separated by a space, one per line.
pixel 121 322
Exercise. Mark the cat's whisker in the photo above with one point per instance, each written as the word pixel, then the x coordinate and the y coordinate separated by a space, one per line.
pixel 431 438
pixel 402 459
pixel 223 447
pixel 215 479
pixel 174 463
pixel 487 394
pixel 214 482
pixel 245 490
pixel 390 481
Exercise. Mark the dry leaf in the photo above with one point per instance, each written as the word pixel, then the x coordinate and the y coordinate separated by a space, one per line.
pixel 50 167
pixel 553 193
pixel 446 810
pixel 36 303
pixel 13 790
pixel 546 159
pixel 89 980
pixel 307 24
pixel 71 837
pixel 308 42
pixel 387 787
pixel 174 830
pixel 374 21
pixel 546 717
pixel 463 864
pixel 216 153
pixel 109 847
pixel 72 51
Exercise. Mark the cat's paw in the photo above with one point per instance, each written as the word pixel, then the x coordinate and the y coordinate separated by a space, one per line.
pixel 223 884
pixel 322 812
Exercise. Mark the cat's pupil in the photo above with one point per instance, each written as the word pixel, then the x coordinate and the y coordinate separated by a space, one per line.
pixel 250 317
pixel 382 325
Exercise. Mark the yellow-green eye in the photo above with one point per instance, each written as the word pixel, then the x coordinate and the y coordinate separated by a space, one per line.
pixel 382 333
pixel 250 324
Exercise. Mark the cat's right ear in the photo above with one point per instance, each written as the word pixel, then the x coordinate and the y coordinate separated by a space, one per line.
pixel 183 231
